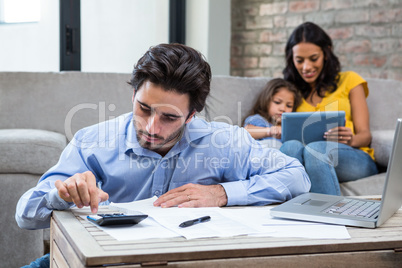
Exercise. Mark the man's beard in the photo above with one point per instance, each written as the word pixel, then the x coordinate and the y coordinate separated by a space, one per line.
pixel 162 142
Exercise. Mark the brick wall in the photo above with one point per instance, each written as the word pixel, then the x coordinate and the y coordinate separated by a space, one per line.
pixel 367 34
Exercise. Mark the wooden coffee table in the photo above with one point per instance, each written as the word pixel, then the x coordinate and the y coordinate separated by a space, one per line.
pixel 77 243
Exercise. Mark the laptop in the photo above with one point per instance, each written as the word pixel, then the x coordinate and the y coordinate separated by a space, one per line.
pixel 307 127
pixel 350 211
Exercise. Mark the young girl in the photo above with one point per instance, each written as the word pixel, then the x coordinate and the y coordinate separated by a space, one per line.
pixel 264 121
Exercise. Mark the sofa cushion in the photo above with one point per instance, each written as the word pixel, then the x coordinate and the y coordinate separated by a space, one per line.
pixel 382 145
pixel 231 98
pixel 384 102
pixel 70 100
pixel 372 185
pixel 30 151
pixel 18 246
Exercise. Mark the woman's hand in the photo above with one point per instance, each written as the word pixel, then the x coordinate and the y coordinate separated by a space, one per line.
pixel 361 122
pixel 339 134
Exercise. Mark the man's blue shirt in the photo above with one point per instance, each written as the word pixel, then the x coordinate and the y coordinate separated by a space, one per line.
pixel 207 153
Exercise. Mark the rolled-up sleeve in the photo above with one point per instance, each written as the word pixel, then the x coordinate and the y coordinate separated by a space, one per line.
pixel 35 206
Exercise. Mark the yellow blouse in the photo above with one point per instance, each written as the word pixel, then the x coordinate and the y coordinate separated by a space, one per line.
pixel 339 101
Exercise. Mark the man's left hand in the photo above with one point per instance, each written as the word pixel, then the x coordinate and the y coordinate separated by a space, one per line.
pixel 194 195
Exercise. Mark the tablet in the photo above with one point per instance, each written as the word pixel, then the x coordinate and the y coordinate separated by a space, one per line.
pixel 307 127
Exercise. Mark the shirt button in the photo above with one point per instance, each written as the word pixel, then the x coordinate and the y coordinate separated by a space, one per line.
pixel 156 193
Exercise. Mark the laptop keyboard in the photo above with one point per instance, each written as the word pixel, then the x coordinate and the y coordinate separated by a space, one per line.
pixel 353 207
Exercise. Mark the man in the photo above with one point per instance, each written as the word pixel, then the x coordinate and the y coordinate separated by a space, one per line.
pixel 163 149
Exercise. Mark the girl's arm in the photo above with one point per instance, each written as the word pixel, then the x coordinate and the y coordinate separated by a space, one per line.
pixel 263 132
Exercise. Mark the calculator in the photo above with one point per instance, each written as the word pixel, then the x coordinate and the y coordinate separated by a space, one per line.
pixel 117 218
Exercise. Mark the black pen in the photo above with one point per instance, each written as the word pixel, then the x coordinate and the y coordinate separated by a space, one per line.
pixel 195 221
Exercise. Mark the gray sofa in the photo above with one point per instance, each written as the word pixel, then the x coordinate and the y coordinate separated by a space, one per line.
pixel 41 111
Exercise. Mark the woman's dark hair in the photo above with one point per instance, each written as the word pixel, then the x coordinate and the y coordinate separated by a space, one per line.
pixel 309 32
pixel 175 67
pixel 273 86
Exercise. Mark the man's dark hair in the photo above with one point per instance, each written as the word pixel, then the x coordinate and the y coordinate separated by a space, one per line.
pixel 327 81
pixel 175 67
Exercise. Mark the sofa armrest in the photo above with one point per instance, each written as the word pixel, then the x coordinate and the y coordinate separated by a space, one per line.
pixel 382 145
pixel 31 151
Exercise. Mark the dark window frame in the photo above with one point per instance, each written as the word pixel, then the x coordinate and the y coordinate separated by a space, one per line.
pixel 177 21
pixel 70 35
pixel 70 30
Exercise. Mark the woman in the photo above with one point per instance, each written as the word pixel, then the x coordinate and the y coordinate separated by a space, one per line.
pixel 315 70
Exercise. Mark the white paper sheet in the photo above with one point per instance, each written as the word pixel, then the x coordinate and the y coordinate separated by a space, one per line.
pixel 312 231
pixel 225 222
pixel 146 229
pixel 171 218
pixel 218 226
pixel 305 229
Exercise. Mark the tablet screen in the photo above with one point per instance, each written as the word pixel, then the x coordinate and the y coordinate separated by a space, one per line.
pixel 307 127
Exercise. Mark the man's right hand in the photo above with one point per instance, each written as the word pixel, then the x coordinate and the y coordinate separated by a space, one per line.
pixel 81 189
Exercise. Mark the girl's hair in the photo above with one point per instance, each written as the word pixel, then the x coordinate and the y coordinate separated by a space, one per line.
pixel 263 102
pixel 309 32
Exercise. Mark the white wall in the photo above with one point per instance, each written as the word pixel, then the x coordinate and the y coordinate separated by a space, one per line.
pixel 219 30
pixel 32 46
pixel 116 33
pixel 208 30
pixel 197 21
